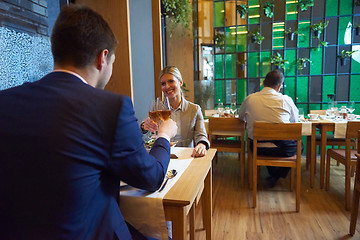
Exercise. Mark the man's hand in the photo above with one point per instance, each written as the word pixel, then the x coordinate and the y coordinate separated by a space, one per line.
pixel 199 150
pixel 167 129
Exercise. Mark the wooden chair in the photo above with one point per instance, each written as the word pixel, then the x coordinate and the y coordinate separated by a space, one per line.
pixel 356 193
pixel 320 112
pixel 277 131
pixel 220 129
pixel 344 156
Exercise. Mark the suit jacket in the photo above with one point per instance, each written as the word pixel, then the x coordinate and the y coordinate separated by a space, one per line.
pixel 64 147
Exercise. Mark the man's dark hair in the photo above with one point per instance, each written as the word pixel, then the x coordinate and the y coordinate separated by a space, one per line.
pixel 273 79
pixel 79 35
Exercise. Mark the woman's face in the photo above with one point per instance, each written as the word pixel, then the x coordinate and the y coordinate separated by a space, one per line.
pixel 170 85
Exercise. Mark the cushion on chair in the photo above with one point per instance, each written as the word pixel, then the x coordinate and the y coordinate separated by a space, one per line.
pixel 341 153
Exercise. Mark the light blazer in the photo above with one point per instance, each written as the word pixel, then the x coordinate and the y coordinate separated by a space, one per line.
pixel 192 123
pixel 64 147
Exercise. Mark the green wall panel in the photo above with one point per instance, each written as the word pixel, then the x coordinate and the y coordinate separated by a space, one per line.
pixel 219 91
pixel 291 10
pixel 230 35
pixel 355 88
pixel 343 26
pixel 304 34
pixel 265 65
pixel 219 66
pixel 346 7
pixel 242 36
pixel 316 58
pixel 241 92
pixel 332 7
pixel 278 35
pixel 302 89
pixel 254 11
pixel 290 68
pixel 219 14
pixel 253 64
pixel 289 87
pixel 328 87
pixel 230 66
pixel 314 106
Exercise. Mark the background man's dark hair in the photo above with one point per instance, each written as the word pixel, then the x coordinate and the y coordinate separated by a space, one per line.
pixel 273 79
pixel 79 35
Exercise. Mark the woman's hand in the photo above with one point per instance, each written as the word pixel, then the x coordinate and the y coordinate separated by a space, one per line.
pixel 150 125
pixel 199 150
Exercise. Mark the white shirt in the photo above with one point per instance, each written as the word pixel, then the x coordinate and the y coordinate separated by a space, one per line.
pixel 268 105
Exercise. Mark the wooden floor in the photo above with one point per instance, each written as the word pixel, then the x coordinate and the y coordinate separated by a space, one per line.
pixel 322 214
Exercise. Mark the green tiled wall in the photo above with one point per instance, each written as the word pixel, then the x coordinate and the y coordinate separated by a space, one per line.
pixel 323 74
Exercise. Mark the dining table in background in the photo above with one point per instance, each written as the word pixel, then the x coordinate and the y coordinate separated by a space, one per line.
pixel 324 126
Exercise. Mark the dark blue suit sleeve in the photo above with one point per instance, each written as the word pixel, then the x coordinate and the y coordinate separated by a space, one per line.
pixel 129 159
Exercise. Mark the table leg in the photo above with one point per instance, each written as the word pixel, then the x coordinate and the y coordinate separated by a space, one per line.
pixel 323 131
pixel 178 223
pixel 312 155
pixel 207 198
pixel 192 222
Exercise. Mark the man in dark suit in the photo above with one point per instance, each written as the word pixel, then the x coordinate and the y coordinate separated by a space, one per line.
pixel 65 144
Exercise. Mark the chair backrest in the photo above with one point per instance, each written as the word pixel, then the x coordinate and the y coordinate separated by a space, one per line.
pixel 210 112
pixel 225 124
pixel 352 129
pixel 320 112
pixel 277 131
pixel 358 144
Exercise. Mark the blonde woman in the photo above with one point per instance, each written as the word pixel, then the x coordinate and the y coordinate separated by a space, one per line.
pixel 187 115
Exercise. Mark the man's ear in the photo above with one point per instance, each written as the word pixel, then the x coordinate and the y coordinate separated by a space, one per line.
pixel 101 59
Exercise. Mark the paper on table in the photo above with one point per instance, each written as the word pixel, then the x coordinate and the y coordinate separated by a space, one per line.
pixel 306 128
pixel 145 210
pixel 340 129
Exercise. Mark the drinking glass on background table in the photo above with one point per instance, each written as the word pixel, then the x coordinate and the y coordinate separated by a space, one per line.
pixel 220 108
pixel 351 106
pixel 301 114
pixel 233 109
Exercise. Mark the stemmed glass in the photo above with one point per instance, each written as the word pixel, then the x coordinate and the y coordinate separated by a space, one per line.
pixel 154 112
pixel 233 109
pixel 351 107
pixel 164 110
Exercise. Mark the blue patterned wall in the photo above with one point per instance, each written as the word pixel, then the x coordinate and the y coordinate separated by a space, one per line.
pixel 23 57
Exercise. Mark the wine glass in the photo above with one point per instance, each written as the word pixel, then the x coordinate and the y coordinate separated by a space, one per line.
pixel 154 114
pixel 164 110
pixel 351 106
pixel 233 109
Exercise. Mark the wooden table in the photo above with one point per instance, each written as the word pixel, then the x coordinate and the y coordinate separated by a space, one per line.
pixel 179 201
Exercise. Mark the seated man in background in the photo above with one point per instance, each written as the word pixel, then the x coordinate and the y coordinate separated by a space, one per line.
pixel 269 105
pixel 66 143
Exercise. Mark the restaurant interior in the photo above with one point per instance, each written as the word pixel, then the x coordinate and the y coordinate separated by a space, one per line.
pixel 224 49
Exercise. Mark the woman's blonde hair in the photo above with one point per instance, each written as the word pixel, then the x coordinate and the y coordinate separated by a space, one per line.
pixel 173 71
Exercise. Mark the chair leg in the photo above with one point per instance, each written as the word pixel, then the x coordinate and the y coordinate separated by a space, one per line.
pixel 292 177
pixel 254 185
pixel 242 167
pixel 347 187
pixel 298 185
pixel 250 171
pixel 327 173
pixel 354 210
pixel 352 171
